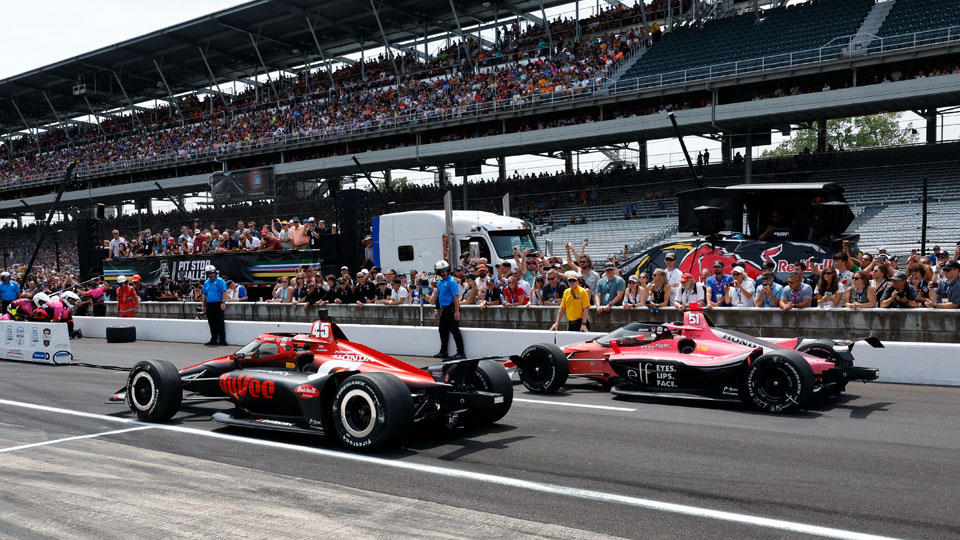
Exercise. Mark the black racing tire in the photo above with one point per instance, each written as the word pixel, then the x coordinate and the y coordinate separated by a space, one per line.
pixel 121 334
pixel 778 381
pixel 372 411
pixel 543 368
pixel 154 390
pixel 821 348
pixel 490 376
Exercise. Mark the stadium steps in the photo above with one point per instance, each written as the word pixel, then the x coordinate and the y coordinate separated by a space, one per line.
pixel 870 28
pixel 907 16
pixel 625 66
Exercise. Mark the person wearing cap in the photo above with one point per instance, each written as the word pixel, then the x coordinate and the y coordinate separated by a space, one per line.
pixel 740 291
pixel 364 291
pixel 900 294
pixel 98 295
pixel 575 305
pixel 127 299
pixel 492 294
pixel 9 290
pixel 691 292
pixel 398 293
pixel 448 310
pixel 236 292
pixel 673 273
pixel 797 294
pixel 299 234
pixel 947 293
pixel 283 233
pixel 718 284
pixel 610 289
pixel 213 303
pixel 367 252
pixel 343 292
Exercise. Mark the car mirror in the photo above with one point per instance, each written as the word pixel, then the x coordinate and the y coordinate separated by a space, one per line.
pixel 238 356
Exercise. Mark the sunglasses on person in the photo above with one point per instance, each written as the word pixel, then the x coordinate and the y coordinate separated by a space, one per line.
pixel 857 278
pixel 573 280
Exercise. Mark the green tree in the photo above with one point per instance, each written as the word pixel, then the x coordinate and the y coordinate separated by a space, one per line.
pixel 847 133
pixel 396 184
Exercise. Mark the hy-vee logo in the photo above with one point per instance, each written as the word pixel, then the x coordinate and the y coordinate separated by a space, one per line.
pixel 245 385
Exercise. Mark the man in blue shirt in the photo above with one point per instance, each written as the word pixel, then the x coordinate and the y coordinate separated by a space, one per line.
pixel 448 310
pixel 768 291
pixel 9 290
pixel 717 284
pixel 214 302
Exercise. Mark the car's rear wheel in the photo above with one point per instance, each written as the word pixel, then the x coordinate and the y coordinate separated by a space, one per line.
pixel 821 348
pixel 778 381
pixel 371 411
pixel 490 377
pixel 543 368
pixel 154 390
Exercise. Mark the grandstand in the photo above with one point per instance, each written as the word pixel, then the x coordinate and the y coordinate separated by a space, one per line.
pixel 448 99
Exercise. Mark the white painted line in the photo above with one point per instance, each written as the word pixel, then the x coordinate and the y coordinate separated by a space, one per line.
pixel 583 405
pixel 77 438
pixel 542 487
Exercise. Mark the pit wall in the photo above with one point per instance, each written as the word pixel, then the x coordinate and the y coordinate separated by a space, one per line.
pixel 899 362
pixel 917 325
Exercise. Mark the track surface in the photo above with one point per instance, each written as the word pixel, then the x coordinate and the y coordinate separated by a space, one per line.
pixel 883 461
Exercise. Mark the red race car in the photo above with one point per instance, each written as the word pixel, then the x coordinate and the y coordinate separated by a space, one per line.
pixel 322 383
pixel 694 359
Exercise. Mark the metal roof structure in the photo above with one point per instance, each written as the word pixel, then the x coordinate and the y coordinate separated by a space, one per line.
pixel 236 44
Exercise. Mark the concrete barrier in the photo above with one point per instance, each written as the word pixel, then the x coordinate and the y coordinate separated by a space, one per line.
pixel 918 325
pixel 899 362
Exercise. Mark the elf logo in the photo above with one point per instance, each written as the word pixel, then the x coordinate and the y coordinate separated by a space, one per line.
pixel 244 385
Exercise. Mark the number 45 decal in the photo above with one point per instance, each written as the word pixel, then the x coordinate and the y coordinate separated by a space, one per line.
pixel 320 330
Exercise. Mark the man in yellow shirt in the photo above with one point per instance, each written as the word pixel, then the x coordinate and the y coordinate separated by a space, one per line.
pixel 575 305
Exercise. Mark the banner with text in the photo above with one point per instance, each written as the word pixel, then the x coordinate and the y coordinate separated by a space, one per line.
pixel 256 268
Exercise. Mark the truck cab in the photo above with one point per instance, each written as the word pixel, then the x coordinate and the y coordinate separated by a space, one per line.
pixel 415 240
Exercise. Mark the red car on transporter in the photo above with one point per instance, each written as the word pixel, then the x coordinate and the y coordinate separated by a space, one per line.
pixel 694 359
pixel 321 383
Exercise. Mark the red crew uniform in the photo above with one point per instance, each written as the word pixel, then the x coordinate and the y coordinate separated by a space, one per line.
pixel 127 301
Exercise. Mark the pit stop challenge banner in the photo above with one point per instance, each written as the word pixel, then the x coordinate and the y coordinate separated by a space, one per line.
pixel 261 268
pixel 45 343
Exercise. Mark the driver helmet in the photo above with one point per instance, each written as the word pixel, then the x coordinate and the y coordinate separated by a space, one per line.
pixel 41 299
pixel 441 266
pixel 70 299
pixel 121 279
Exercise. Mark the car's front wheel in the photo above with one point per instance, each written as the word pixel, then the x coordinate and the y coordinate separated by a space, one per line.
pixel 154 390
pixel 543 368
pixel 778 381
pixel 371 411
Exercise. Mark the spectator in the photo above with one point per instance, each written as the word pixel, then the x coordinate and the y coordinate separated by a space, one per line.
pixel 862 294
pixel 382 292
pixel 691 292
pixel 575 305
pixel 269 242
pixel 899 294
pixel 364 291
pixel 610 289
pixel 841 261
pixel 660 292
pixel 367 252
pixel 768 291
pixel 249 242
pixel 282 292
pixel 165 291
pixel 117 246
pixel 585 268
pixel 673 274
pixel 881 273
pixel 398 295
pixel 796 295
pixel 313 297
pixel 636 295
pixel 513 295
pixel 298 234
pixel 739 292
pixel 283 234
pixel 829 292
pixel 918 273
pixel 236 292
pixel 536 294
pixel 553 288
pixel 492 294
pixel 947 293
pixel 717 284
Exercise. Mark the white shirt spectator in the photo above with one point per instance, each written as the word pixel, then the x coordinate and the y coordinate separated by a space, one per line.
pixel 399 296
pixel 697 293
pixel 737 298
pixel 252 243
pixel 673 278
pixel 115 245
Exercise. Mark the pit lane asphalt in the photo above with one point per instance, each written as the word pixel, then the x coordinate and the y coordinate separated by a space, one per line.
pixel 884 460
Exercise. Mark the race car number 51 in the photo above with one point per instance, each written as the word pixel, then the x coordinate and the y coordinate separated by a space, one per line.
pixel 320 330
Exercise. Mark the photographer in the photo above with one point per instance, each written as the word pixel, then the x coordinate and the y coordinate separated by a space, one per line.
pixel 899 294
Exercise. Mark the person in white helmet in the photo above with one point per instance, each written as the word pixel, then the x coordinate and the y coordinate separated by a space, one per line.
pixel 448 310
pixel 214 302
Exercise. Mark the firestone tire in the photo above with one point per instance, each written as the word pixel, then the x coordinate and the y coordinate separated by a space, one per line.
pixel 121 334
pixel 821 348
pixel 543 368
pixel 372 411
pixel 154 390
pixel 491 377
pixel 778 381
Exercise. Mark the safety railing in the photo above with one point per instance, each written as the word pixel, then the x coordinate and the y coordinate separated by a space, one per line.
pixel 838 48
